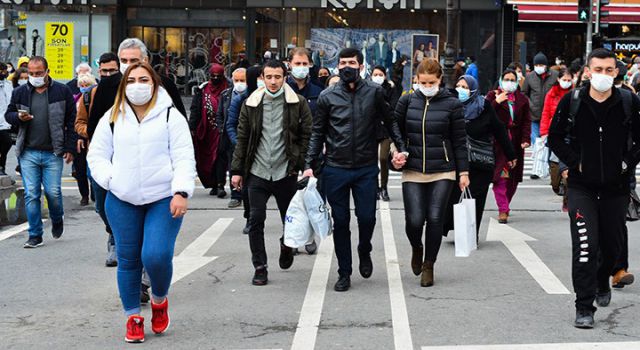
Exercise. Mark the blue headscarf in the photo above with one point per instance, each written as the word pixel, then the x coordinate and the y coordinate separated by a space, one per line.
pixel 474 106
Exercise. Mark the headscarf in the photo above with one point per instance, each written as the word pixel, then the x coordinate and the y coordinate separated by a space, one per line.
pixel 474 106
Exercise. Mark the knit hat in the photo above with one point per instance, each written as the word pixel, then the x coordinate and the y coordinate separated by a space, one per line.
pixel 540 58
pixel 622 68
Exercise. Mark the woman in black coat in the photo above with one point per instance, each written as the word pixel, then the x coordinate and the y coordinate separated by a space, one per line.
pixel 482 124
pixel 432 124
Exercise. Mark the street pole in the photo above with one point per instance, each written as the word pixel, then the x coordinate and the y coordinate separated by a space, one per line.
pixel 450 50
pixel 597 29
pixel 589 34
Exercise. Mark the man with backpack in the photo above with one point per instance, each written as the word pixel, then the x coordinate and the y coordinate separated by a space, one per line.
pixel 596 133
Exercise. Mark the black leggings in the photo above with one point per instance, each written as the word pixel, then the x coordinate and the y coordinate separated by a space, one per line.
pixel 426 201
pixel 5 146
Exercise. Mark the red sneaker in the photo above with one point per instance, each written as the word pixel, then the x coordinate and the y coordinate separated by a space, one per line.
pixel 135 329
pixel 160 317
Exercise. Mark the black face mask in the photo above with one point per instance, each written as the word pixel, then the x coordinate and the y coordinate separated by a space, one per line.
pixel 216 80
pixel 323 81
pixel 349 75
pixel 112 79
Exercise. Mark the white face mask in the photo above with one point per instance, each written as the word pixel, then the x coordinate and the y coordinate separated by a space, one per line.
pixel 378 79
pixel 260 83
pixel 540 69
pixel 565 84
pixel 429 91
pixel 509 86
pixel 558 62
pixel 123 68
pixel 416 87
pixel 22 81
pixel 519 76
pixel 601 82
pixel 36 81
pixel 240 87
pixel 575 80
pixel 139 94
pixel 300 72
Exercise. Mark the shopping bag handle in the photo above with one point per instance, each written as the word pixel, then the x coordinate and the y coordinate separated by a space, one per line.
pixel 466 194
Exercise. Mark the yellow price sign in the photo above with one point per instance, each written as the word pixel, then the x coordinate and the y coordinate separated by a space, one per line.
pixel 59 49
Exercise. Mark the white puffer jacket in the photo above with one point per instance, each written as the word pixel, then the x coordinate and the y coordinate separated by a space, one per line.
pixel 143 162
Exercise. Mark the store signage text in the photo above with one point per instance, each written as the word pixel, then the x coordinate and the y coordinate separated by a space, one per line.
pixel 59 49
pixel 627 47
pixel 45 2
pixel 371 4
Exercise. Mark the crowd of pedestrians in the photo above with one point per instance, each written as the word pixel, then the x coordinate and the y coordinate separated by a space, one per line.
pixel 136 154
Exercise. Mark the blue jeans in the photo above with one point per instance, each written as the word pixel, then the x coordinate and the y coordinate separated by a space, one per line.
pixel 101 195
pixel 363 184
pixel 145 235
pixel 535 132
pixel 41 169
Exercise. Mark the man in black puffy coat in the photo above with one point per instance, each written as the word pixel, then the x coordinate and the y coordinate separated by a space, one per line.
pixel 345 124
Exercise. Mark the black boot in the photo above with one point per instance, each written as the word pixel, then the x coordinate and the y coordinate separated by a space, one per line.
pixel 384 194
pixel 378 193
pixel 416 260
pixel 584 319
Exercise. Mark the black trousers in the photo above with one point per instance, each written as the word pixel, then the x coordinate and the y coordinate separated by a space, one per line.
pixel 80 172
pixel 597 231
pixel 480 180
pixel 426 202
pixel 260 190
pixel 5 146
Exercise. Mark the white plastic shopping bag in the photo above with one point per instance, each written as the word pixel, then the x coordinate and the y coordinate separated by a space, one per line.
pixel 464 224
pixel 319 214
pixel 540 158
pixel 297 228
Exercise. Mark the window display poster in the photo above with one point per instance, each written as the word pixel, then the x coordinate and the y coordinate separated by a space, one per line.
pixel 424 46
pixel 380 47
pixel 59 49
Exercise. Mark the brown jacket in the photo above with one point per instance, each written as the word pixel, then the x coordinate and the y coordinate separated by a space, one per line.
pixel 82 117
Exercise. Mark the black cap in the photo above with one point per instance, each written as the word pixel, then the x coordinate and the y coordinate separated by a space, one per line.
pixel 540 58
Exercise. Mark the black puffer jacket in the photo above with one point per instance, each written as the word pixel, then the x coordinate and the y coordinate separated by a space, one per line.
pixel 346 124
pixel 434 132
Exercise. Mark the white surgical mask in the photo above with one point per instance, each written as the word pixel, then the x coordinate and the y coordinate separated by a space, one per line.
pixel 300 72
pixel 260 83
pixel 565 84
pixel 22 81
pixel 540 69
pixel 601 82
pixel 378 79
pixel 123 68
pixel 509 86
pixel 240 87
pixel 575 80
pixel 416 87
pixel 36 81
pixel 139 94
pixel 519 76
pixel 429 91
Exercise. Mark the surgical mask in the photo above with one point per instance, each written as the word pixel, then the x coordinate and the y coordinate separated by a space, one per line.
pixel 275 94
pixel 601 82
pixel 565 84
pixel 429 91
pixel 260 83
pixel 540 69
pixel 22 82
pixel 416 87
pixel 348 75
pixel 575 80
pixel 123 68
pixel 240 87
pixel 36 81
pixel 509 86
pixel 378 79
pixel 519 76
pixel 85 90
pixel 463 94
pixel 618 86
pixel 10 69
pixel 139 94
pixel 300 72
pixel 558 62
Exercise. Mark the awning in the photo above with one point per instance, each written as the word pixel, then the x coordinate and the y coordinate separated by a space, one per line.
pixel 568 13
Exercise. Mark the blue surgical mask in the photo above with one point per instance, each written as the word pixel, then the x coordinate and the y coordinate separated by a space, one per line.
pixel 260 83
pixel 300 72
pixel 275 94
pixel 463 94
pixel 85 90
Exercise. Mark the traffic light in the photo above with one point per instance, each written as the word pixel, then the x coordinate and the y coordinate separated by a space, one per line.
pixel 602 14
pixel 584 10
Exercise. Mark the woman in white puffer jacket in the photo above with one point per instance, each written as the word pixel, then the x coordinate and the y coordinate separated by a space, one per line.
pixel 142 154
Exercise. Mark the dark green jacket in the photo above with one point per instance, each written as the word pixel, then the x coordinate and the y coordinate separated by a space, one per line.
pixel 296 126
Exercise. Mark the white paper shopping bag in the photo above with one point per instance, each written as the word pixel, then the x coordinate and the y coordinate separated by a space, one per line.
pixel 464 224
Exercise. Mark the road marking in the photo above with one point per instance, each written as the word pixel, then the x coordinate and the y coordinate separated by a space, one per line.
pixel 193 256
pixel 309 321
pixel 14 230
pixel 550 346
pixel 399 316
pixel 516 242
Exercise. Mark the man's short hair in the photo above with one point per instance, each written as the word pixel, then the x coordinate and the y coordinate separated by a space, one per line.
pixel 601 53
pixel 3 66
pixel 351 52
pixel 133 43
pixel 39 59
pixel 275 64
pixel 108 57
pixel 300 51
pixel 239 70
pixel 83 65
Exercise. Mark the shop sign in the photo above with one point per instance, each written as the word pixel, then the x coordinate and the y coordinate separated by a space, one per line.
pixel 59 49
pixel 44 2
pixel 371 4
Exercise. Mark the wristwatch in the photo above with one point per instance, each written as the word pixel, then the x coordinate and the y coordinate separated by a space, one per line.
pixel 183 194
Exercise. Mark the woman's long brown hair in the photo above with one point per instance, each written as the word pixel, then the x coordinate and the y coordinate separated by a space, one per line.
pixel 121 96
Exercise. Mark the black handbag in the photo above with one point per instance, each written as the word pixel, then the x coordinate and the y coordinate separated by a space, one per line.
pixel 633 211
pixel 481 153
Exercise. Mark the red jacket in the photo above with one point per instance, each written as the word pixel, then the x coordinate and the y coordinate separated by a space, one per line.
pixel 550 105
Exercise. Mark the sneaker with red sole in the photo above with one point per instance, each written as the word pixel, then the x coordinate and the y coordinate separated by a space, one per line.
pixel 160 317
pixel 135 329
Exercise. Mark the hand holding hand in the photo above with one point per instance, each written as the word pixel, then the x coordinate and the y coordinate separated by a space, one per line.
pixel 399 160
